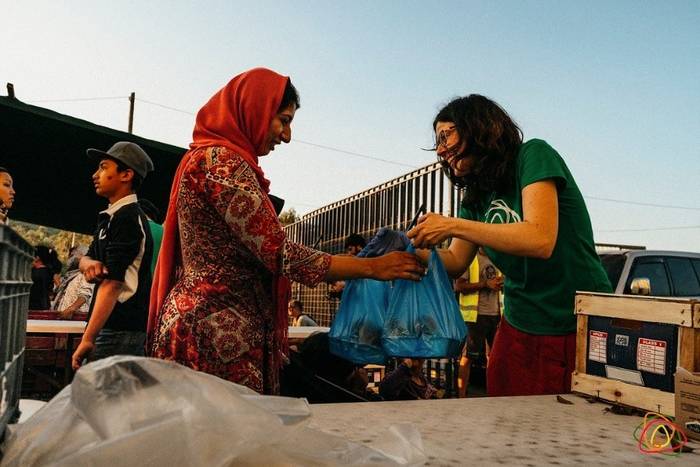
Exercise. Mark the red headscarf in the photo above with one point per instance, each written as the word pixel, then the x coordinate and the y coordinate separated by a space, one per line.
pixel 237 117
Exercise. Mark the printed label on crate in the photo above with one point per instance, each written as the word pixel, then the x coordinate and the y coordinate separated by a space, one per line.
pixel 623 374
pixel 597 346
pixel 622 340
pixel 651 356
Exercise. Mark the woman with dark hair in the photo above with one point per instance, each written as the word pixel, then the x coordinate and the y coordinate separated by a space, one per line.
pixel 221 287
pixel 7 194
pixel 42 278
pixel 524 207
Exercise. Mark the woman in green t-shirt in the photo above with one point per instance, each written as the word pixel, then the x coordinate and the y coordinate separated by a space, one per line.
pixel 523 206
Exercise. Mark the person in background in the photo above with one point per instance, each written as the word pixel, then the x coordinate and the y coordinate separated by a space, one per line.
pixel 407 382
pixel 119 257
pixel 523 206
pixel 42 278
pixel 479 303
pixel 74 293
pixel 354 243
pixel 318 375
pixel 220 294
pixel 7 194
pixel 56 267
pixel 299 318
pixel 154 223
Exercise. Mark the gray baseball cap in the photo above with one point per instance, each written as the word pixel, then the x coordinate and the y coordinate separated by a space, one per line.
pixel 130 154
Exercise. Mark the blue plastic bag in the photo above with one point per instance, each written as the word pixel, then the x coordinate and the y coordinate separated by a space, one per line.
pixel 423 319
pixel 356 331
pixel 385 241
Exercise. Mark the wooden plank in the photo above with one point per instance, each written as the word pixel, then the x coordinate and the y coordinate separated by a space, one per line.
pixel 55 326
pixel 623 393
pixel 581 342
pixel 39 357
pixel 648 309
pixel 687 349
pixel 697 351
pixel 39 342
pixel 696 325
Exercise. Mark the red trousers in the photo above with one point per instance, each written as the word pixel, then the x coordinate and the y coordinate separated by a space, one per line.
pixel 523 364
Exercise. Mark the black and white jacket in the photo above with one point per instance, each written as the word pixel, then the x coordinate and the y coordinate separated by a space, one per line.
pixel 123 243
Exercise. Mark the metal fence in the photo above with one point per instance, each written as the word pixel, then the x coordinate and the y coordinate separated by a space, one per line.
pixel 391 204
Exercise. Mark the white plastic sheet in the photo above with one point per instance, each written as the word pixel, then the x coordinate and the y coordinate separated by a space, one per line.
pixel 138 411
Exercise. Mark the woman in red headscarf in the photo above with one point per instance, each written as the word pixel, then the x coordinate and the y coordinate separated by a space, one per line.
pixel 221 286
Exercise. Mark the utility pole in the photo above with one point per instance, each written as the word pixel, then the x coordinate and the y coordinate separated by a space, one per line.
pixel 132 98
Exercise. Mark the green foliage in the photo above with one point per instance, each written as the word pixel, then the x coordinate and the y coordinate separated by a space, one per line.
pixel 288 217
pixel 60 240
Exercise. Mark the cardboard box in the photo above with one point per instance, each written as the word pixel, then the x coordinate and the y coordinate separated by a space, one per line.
pixel 688 402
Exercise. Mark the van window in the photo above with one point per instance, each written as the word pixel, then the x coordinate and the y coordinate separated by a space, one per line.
pixel 685 282
pixel 613 264
pixel 696 266
pixel 653 269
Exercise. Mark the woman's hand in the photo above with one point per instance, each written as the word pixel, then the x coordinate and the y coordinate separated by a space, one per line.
pixel 397 265
pixel 432 229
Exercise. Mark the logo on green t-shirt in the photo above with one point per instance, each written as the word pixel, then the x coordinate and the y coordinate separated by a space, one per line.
pixel 500 213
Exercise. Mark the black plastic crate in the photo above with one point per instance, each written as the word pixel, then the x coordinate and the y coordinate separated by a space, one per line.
pixel 16 257
pixel 10 387
pixel 14 301
pixel 634 349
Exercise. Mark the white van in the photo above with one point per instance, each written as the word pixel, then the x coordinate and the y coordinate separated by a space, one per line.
pixel 653 272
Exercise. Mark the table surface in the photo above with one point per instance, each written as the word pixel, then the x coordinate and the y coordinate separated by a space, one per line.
pixel 56 326
pixel 533 430
pixel 78 327
pixel 302 332
pixel 27 407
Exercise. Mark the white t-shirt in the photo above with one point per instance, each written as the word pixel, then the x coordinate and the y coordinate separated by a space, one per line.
pixel 304 320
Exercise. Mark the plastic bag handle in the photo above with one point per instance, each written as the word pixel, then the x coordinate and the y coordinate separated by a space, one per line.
pixel 414 221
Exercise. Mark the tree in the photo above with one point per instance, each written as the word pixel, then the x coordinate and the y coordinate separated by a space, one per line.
pixel 288 217
pixel 41 235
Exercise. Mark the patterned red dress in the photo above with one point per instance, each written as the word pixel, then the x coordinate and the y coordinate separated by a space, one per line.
pixel 219 316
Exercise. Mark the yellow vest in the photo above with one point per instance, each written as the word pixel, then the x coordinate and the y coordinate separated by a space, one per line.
pixel 468 303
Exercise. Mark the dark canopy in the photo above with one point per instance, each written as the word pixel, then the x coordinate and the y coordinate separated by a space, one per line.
pixel 45 154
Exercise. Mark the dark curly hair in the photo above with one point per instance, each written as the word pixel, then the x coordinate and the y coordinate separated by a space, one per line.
pixel 48 256
pixel 290 96
pixel 355 239
pixel 491 136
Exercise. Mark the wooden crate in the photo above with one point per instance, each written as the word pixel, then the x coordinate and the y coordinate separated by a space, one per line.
pixel 683 314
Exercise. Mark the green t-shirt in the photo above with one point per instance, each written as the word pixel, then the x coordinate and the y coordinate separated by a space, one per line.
pixel 539 294
pixel 157 234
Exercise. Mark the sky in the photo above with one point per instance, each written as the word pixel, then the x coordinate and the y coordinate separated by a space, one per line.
pixel 614 87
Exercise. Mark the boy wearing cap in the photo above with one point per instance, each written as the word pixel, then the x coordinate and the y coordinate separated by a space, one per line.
pixel 119 258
